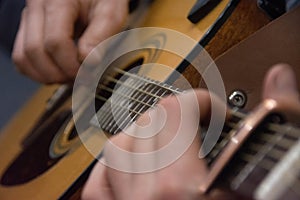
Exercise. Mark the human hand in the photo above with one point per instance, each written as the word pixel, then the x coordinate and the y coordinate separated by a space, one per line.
pixel 181 179
pixel 45 47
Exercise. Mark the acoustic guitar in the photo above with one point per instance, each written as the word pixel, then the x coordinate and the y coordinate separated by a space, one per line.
pixel 42 156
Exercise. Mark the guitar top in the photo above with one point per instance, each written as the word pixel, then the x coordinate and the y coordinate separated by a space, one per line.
pixel 42 156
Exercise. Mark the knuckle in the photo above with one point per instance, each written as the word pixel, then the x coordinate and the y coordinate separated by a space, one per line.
pixel 169 102
pixel 56 78
pixel 169 190
pixel 119 19
pixel 31 2
pixel 18 58
pixel 204 96
pixel 21 70
pixel 87 193
pixel 49 81
pixel 52 43
pixel 72 73
pixel 121 140
pixel 122 11
pixel 32 48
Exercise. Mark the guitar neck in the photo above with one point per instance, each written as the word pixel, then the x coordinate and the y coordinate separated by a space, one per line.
pixel 267 165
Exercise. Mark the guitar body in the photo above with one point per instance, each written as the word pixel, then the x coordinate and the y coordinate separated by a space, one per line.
pixel 41 156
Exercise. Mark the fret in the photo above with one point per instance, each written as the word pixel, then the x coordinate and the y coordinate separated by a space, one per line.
pixel 282 176
pixel 259 156
pixel 249 158
pixel 256 158
pixel 228 131
pixel 273 153
pixel 284 142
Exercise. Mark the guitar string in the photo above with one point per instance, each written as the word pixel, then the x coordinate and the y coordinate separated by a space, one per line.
pixel 159 85
pixel 256 147
pixel 268 165
pixel 137 89
pixel 142 91
pixel 127 117
pixel 240 114
pixel 144 107
pixel 265 164
pixel 285 143
pixel 118 114
pixel 109 119
pixel 106 111
pixel 262 155
pixel 229 135
pixel 267 157
pixel 272 127
pixel 135 96
pixel 122 95
pixel 139 82
pixel 148 80
pixel 140 110
pixel 264 136
pixel 140 97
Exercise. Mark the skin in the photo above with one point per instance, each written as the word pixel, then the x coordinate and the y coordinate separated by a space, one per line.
pixel 181 179
pixel 44 48
pixel 45 51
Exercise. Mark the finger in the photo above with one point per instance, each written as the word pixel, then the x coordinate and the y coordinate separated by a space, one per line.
pixel 97 185
pixel 23 65
pixel 165 180
pixel 193 108
pixel 280 82
pixel 60 18
pixel 33 44
pixel 107 18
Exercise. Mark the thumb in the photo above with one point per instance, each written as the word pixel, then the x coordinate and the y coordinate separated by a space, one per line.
pixel 280 82
pixel 106 17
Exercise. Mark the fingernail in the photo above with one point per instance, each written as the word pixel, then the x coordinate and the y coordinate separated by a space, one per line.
pixel 286 80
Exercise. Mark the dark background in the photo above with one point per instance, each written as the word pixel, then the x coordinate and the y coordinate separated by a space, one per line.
pixel 15 89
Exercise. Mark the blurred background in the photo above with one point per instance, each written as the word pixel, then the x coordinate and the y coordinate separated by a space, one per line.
pixel 15 88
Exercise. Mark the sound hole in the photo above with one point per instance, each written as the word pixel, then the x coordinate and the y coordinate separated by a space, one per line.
pixel 45 145
pixel 35 159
